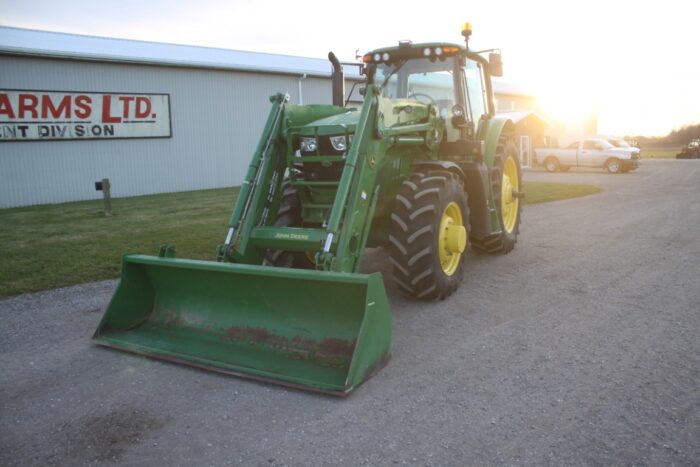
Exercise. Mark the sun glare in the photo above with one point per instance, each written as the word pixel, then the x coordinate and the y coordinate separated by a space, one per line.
pixel 568 105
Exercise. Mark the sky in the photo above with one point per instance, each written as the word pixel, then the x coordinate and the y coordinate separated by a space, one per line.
pixel 634 63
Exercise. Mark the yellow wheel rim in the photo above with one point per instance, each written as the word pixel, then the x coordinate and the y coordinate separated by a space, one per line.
pixel 452 238
pixel 510 205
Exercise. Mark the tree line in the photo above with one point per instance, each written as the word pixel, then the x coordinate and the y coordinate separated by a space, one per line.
pixel 677 137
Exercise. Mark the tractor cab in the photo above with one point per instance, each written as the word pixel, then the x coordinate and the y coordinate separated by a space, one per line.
pixel 452 80
pixel 436 75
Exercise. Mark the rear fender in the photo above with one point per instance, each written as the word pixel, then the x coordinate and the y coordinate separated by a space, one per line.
pixel 491 131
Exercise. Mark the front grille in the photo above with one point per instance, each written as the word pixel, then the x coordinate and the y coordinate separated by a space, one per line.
pixel 317 171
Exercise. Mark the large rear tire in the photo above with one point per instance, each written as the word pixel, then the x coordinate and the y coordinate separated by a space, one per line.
pixel 429 235
pixel 289 215
pixel 506 185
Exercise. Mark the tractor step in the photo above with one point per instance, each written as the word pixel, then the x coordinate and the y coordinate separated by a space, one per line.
pixel 298 183
pixel 317 159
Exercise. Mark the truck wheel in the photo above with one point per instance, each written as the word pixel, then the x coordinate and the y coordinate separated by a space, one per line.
pixel 429 233
pixel 613 166
pixel 551 164
pixel 289 215
pixel 506 185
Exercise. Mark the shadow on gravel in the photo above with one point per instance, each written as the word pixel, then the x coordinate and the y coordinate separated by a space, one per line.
pixel 99 438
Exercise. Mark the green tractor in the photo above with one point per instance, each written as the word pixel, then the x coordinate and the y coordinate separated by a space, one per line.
pixel 690 151
pixel 423 168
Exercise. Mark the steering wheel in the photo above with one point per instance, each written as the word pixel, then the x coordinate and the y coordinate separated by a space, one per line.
pixel 420 94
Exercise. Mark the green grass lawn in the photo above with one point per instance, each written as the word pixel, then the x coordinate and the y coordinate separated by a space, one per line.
pixel 660 153
pixel 543 192
pixel 49 246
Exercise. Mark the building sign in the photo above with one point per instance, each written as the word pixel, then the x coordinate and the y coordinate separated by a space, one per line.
pixel 58 115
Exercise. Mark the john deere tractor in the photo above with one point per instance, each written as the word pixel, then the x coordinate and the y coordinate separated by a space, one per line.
pixel 423 168
pixel 690 151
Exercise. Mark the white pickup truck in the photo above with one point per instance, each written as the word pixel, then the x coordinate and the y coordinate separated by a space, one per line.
pixel 588 153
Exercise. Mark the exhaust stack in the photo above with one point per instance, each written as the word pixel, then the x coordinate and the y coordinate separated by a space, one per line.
pixel 337 81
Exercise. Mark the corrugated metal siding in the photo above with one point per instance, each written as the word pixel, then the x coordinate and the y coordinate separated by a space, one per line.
pixel 217 117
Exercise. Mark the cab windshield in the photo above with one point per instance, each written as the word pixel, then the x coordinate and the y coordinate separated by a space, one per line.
pixel 429 81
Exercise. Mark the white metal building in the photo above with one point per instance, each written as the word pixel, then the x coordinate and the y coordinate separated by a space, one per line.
pixel 151 117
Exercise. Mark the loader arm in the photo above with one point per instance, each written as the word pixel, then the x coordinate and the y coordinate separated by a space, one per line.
pixel 258 194
pixel 341 242
pixel 241 317
pixel 351 214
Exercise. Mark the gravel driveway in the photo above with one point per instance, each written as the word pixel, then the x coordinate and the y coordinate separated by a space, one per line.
pixel 580 347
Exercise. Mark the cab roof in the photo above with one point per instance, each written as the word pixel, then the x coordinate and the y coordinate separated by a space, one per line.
pixel 420 46
pixel 407 50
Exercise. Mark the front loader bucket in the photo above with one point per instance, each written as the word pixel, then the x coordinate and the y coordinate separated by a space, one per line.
pixel 316 330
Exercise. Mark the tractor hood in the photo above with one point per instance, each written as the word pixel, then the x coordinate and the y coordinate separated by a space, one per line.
pixel 393 113
pixel 333 125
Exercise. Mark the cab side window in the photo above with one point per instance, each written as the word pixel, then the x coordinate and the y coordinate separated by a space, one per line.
pixel 590 145
pixel 573 145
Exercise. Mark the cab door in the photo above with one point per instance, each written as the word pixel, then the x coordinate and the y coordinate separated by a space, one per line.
pixel 569 156
pixel 591 154
pixel 585 154
pixel 475 96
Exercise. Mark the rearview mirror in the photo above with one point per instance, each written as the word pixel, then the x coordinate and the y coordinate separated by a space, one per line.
pixel 495 64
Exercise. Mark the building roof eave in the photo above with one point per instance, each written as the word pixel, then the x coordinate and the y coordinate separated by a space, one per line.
pixel 58 45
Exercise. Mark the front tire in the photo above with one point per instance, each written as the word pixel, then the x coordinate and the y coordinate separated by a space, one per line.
pixel 613 166
pixel 429 235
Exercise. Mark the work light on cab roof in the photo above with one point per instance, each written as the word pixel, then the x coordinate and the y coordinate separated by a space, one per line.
pixel 407 50
pixel 466 30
